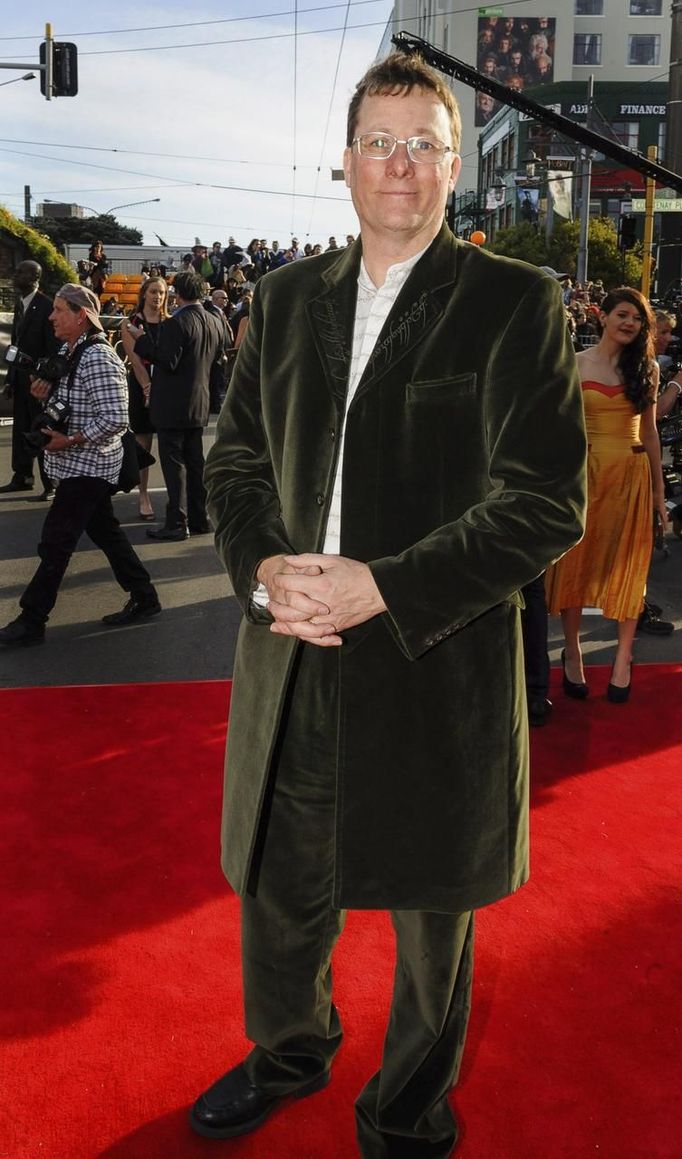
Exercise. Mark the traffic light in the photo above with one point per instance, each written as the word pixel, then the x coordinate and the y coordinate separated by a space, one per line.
pixel 627 231
pixel 64 68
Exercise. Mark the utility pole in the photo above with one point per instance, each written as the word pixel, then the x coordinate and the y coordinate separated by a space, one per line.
pixel 673 136
pixel 652 154
pixel 585 182
pixel 27 204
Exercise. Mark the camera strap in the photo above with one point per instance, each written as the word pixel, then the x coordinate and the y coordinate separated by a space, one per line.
pixel 76 356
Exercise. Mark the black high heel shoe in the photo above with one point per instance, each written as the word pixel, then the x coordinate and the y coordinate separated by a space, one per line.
pixel 617 693
pixel 578 691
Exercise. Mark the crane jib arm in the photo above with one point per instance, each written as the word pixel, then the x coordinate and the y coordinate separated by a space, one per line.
pixel 406 42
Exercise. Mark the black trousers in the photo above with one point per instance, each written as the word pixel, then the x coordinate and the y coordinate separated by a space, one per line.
pixel 80 504
pixel 290 928
pixel 181 454
pixel 534 627
pixel 24 409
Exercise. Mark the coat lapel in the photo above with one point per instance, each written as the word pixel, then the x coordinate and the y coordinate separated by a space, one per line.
pixel 332 315
pixel 417 308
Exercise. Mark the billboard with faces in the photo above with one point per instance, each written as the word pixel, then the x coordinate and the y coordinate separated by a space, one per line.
pixel 516 50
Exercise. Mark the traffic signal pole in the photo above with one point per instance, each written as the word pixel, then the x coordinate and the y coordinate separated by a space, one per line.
pixel 58 67
pixel 645 285
pixel 49 62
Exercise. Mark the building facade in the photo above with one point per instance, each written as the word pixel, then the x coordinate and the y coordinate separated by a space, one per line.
pixel 548 49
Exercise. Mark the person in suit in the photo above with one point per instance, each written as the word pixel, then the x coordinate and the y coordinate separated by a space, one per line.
pixel 381 492
pixel 222 367
pixel 32 332
pixel 187 346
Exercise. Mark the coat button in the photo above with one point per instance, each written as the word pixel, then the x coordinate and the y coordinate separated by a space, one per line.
pixel 332 434
pixel 320 500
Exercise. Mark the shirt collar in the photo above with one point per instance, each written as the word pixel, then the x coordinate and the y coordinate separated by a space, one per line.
pixel 26 302
pixel 395 274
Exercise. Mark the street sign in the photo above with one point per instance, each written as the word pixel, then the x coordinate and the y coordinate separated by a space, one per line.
pixel 661 205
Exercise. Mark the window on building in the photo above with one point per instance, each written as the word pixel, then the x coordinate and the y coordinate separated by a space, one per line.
pixel 589 7
pixel 646 7
pixel 587 48
pixel 627 132
pixel 644 50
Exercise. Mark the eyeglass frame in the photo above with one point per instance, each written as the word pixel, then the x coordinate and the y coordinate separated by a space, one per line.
pixel 401 141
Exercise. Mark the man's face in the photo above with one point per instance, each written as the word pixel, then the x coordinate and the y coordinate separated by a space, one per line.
pixel 664 334
pixel 67 325
pixel 26 278
pixel 399 196
pixel 219 298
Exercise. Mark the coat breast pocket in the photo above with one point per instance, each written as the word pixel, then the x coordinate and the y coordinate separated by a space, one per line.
pixel 454 388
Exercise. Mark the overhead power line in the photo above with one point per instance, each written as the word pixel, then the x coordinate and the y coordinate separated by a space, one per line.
pixel 158 177
pixel 205 23
pixel 146 153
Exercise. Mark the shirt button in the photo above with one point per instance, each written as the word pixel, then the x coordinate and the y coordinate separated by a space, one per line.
pixel 320 500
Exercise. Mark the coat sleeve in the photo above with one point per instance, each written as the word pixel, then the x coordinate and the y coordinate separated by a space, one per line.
pixel 167 351
pixel 242 495
pixel 535 508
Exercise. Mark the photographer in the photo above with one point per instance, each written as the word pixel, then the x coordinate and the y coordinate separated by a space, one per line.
pixel 84 414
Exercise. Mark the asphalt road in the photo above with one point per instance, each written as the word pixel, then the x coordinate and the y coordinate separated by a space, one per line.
pixel 194 637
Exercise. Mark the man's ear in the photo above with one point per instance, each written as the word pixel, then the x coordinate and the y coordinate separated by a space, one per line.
pixel 347 155
pixel 455 170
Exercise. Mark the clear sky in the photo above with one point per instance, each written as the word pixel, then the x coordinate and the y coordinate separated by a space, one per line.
pixel 232 113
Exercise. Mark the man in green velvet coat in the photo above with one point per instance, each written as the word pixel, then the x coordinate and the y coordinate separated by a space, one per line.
pixel 400 451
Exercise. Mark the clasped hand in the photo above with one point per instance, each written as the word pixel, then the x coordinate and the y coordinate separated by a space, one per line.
pixel 317 597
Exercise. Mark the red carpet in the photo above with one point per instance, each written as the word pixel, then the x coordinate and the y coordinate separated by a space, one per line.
pixel 120 982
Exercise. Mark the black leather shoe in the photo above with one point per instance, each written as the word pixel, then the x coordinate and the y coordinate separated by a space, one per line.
pixel 205 529
pixel 539 711
pixel 651 623
pixel 133 610
pixel 16 485
pixel 233 1106
pixel 44 496
pixel 21 634
pixel 172 534
pixel 576 690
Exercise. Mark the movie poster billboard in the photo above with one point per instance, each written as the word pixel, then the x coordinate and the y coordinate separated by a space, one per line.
pixel 516 50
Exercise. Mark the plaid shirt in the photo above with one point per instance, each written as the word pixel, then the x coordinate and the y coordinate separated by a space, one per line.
pixel 99 409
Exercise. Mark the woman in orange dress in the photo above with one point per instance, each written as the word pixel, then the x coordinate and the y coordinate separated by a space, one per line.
pixel 608 568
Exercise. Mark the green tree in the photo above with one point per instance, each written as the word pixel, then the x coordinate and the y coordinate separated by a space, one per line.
pixel 56 271
pixel 522 241
pixel 605 260
pixel 85 230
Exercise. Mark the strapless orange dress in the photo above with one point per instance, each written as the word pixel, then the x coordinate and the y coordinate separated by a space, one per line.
pixel 608 568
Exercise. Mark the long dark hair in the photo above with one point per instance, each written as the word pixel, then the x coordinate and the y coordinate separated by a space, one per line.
pixel 637 359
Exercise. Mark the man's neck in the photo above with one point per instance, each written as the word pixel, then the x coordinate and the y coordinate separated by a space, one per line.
pixel 380 253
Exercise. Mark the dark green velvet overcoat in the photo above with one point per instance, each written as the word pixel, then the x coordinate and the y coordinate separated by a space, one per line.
pixel 463 478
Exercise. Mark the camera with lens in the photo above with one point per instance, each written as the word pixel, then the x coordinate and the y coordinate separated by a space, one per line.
pixel 55 415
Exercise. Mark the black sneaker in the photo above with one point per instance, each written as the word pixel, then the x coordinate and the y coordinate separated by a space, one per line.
pixel 135 609
pixel 21 634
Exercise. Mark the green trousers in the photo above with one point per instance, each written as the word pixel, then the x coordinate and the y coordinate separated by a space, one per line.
pixel 289 930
